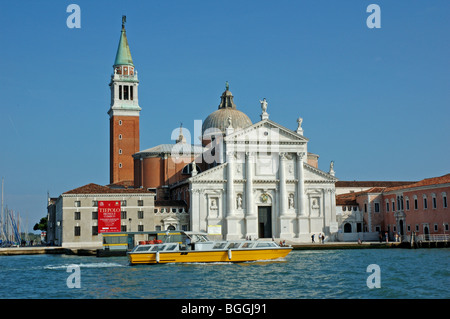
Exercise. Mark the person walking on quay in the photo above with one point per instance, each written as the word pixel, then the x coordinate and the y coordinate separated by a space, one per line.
pixel 312 238
pixel 321 238
pixel 387 237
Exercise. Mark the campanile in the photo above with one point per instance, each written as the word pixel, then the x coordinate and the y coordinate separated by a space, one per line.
pixel 123 113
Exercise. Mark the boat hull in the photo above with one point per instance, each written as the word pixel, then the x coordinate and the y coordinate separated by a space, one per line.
pixel 191 256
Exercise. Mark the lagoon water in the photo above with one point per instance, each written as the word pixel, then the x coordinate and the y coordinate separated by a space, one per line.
pixel 335 274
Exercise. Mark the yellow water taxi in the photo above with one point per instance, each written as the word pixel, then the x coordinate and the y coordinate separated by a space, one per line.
pixel 198 248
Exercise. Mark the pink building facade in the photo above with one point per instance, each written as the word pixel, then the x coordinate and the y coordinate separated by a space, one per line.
pixel 420 208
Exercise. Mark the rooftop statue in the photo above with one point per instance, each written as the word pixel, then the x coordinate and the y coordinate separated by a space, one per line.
pixel 263 105
pixel 264 114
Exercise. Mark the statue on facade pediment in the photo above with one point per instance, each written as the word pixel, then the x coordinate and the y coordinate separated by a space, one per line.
pixel 263 105
pixel 299 128
pixel 230 121
pixel 264 114
pixel 332 172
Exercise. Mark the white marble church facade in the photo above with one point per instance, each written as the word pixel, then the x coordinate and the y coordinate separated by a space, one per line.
pixel 264 187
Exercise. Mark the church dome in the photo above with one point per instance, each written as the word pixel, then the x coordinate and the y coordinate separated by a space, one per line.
pixel 226 114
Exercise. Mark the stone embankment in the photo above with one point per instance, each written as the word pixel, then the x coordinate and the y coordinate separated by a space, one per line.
pixel 343 245
pixel 37 250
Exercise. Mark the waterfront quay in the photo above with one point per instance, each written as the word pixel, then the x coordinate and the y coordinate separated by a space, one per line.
pixel 432 242
pixel 39 250
pixel 345 245
pixel 422 241
pixel 11 251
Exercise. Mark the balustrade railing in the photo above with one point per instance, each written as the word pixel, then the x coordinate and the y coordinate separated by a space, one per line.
pixel 427 238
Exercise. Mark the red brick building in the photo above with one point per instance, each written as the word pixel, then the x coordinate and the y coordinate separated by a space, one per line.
pixel 160 168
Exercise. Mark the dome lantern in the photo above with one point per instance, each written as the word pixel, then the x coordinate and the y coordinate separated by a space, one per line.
pixel 227 115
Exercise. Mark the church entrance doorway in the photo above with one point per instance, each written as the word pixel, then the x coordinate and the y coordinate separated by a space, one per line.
pixel 264 221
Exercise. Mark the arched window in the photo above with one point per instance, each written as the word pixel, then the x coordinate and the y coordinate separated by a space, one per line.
pixel 347 228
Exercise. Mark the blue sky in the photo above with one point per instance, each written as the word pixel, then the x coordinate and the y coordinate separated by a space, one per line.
pixel 375 101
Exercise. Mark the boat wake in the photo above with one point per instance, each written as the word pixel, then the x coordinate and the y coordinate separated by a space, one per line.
pixel 281 259
pixel 89 265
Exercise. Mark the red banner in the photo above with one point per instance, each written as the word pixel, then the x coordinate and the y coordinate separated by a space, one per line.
pixel 108 216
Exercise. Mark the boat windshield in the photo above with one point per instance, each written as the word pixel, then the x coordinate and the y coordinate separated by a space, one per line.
pixel 197 238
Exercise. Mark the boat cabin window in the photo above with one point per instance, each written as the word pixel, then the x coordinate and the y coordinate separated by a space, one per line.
pixel 143 248
pixel 269 244
pixel 219 245
pixel 247 245
pixel 172 237
pixel 199 238
pixel 158 247
pixel 233 245
pixel 171 247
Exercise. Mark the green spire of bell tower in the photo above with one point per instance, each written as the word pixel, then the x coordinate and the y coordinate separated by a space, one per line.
pixel 123 56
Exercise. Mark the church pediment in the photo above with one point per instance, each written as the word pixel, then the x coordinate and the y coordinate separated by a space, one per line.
pixel 266 131
pixel 216 174
pixel 315 175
